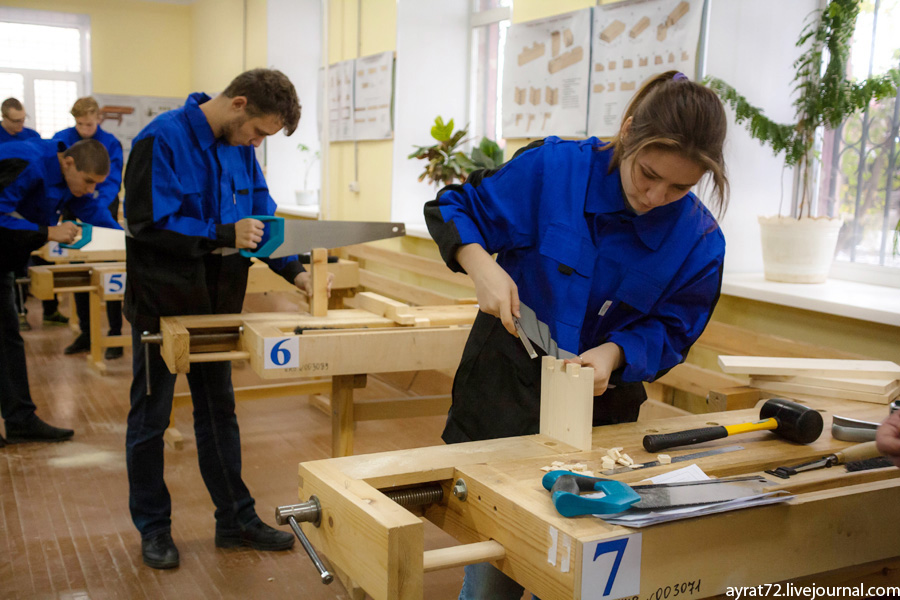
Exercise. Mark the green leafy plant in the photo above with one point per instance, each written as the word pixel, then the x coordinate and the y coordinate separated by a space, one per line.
pixel 310 158
pixel 446 162
pixel 486 155
pixel 824 96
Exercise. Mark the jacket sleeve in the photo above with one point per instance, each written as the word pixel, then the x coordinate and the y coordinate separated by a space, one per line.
pixel 155 200
pixel 108 191
pixel 18 237
pixel 661 339
pixel 494 208
pixel 93 210
pixel 263 204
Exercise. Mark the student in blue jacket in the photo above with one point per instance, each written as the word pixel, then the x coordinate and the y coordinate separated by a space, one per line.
pixel 37 181
pixel 191 185
pixel 12 123
pixel 603 254
pixel 87 127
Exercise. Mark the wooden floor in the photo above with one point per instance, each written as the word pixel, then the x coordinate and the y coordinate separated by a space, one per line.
pixel 65 530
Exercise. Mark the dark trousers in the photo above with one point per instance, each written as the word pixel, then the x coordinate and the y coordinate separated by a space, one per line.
pixel 16 405
pixel 113 314
pixel 216 431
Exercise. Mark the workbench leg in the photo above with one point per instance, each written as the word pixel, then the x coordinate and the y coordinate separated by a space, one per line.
pixel 172 436
pixel 354 592
pixel 73 313
pixel 96 357
pixel 318 302
pixel 342 412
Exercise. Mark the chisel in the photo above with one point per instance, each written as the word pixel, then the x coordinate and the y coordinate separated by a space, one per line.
pixel 858 452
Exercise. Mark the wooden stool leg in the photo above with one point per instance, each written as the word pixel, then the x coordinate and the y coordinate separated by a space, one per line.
pixel 96 332
pixel 342 415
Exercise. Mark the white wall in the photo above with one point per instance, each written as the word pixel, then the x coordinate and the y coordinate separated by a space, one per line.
pixel 295 48
pixel 751 46
pixel 431 80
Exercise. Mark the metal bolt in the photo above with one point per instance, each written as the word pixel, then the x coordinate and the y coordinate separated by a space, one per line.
pixel 460 490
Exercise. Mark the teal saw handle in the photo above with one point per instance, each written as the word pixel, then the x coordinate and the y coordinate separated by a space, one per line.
pixel 566 488
pixel 86 229
pixel 272 239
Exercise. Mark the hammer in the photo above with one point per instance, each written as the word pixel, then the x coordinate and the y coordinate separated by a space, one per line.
pixel 790 420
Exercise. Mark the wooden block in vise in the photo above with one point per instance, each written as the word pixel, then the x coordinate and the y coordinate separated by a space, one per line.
pixel 318 302
pixel 567 402
pixel 176 345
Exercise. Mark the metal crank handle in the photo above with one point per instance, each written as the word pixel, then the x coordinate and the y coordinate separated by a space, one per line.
pixel 310 512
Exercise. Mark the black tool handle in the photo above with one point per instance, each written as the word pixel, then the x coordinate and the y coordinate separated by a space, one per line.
pixel 661 441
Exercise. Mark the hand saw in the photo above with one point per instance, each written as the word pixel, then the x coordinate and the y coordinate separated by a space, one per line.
pixel 99 238
pixel 298 236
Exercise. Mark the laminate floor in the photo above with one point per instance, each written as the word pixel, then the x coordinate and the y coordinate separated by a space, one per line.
pixel 65 529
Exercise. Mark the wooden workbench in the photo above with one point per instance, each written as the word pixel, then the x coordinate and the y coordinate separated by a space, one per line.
pixel 842 528
pixel 345 345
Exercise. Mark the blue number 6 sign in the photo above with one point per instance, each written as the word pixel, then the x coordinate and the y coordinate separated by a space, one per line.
pixel 282 353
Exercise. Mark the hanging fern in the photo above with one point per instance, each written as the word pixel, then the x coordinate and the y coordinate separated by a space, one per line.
pixel 824 96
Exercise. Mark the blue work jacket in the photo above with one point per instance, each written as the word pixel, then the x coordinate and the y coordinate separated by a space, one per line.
pixel 23 136
pixel 108 191
pixel 591 269
pixel 33 193
pixel 184 191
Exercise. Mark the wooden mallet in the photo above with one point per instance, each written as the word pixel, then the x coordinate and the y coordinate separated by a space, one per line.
pixel 790 420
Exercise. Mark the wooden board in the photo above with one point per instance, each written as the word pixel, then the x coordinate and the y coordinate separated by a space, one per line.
pixel 812 367
pixel 811 390
pixel 871 386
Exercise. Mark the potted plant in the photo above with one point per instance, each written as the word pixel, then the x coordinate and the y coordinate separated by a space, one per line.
pixel 447 163
pixel 800 248
pixel 306 196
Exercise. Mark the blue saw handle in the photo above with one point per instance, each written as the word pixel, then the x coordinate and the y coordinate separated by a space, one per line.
pixel 565 489
pixel 86 229
pixel 272 238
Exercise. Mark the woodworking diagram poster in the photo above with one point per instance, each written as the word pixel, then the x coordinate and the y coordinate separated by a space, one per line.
pixel 374 89
pixel 632 43
pixel 546 77
pixel 340 101
pixel 126 116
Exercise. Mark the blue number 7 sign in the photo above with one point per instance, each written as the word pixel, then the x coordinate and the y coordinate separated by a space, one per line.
pixel 611 568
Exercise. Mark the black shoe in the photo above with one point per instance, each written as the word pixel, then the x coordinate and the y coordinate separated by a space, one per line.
pixel 56 319
pixel 24 325
pixel 36 430
pixel 81 344
pixel 159 552
pixel 113 353
pixel 257 535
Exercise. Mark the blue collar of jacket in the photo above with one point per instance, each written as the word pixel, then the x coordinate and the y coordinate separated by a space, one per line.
pixel 605 196
pixel 197 120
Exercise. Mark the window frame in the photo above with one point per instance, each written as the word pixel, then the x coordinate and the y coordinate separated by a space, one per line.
pixel 83 79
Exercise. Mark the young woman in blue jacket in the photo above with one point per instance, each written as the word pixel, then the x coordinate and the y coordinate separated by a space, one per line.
pixel 604 256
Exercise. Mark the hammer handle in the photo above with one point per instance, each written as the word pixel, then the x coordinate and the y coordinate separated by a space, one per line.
pixel 661 441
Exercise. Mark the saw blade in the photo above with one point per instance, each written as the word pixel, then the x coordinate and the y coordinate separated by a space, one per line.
pixel 675 459
pixel 301 236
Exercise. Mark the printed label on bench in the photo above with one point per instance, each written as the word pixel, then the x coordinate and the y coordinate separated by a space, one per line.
pixel 114 283
pixel 611 569
pixel 282 353
pixel 56 250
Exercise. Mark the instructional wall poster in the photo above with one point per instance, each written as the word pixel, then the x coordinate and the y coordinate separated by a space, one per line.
pixel 546 76
pixel 126 116
pixel 374 90
pixel 340 101
pixel 632 43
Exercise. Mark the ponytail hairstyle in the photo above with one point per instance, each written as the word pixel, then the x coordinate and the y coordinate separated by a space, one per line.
pixel 672 113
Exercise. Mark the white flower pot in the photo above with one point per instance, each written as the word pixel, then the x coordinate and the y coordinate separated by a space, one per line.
pixel 798 250
pixel 307 197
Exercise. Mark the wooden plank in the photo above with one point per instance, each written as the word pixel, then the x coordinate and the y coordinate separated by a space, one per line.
pixel 734 340
pixel 814 367
pixel 697 380
pixel 41 286
pixel 382 306
pixel 400 290
pixel 654 409
pixel 264 392
pixel 375 351
pixel 434 269
pixel 871 386
pixel 401 408
pixel 733 398
pixel 567 402
pixel 810 390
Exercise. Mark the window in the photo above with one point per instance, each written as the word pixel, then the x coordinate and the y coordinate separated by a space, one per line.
pixel 860 164
pixel 44 62
pixel 490 20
